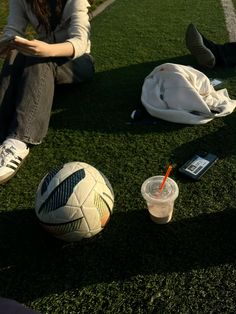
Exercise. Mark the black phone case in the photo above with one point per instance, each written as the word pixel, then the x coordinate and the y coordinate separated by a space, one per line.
pixel 196 166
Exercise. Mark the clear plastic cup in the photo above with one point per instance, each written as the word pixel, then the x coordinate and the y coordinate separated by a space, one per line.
pixel 160 204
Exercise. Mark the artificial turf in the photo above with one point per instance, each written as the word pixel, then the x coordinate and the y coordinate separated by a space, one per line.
pixel 133 265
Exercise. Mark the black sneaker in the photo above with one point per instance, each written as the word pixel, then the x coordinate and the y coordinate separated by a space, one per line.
pixel 195 44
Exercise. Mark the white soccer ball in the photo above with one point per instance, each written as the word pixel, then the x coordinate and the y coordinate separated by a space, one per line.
pixel 74 201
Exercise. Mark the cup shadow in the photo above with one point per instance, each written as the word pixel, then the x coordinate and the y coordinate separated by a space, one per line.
pixel 34 264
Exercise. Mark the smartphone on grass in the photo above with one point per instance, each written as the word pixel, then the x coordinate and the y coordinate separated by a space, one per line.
pixel 198 164
pixel 217 83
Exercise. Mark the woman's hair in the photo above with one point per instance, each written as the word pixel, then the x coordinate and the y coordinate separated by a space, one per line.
pixel 42 11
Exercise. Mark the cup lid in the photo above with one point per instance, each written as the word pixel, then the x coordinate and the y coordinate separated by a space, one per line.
pixel 150 189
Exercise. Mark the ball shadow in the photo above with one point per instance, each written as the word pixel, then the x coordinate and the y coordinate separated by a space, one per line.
pixel 34 264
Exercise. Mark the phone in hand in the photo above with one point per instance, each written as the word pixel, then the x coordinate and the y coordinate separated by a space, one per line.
pixel 198 164
pixel 20 38
pixel 7 40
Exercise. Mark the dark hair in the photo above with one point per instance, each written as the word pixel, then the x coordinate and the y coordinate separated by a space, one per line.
pixel 42 11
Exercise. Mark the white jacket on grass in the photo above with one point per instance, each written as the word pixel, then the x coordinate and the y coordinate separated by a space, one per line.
pixel 182 94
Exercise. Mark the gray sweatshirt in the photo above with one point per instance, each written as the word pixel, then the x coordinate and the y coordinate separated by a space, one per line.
pixel 74 26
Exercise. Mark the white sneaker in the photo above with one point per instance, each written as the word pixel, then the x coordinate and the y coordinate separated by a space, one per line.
pixel 11 159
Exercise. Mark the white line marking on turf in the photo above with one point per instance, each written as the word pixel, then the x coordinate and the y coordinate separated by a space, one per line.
pixel 230 18
pixel 102 7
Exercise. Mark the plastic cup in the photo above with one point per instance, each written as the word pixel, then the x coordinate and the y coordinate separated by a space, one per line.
pixel 160 204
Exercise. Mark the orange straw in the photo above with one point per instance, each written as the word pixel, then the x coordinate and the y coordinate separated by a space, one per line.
pixel 165 178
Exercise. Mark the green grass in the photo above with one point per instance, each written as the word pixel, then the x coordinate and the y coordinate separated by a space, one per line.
pixel 133 266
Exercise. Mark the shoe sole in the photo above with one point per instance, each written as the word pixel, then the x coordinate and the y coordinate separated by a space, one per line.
pixel 195 45
pixel 14 173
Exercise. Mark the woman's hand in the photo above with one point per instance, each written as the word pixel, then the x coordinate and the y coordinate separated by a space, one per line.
pixel 34 48
pixel 38 48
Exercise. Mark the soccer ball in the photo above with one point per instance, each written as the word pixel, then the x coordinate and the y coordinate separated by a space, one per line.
pixel 74 201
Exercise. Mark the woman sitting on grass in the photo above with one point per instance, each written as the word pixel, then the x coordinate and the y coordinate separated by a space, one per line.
pixel 208 53
pixel 59 55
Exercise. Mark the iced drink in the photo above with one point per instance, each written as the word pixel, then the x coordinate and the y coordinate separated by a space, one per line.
pixel 160 204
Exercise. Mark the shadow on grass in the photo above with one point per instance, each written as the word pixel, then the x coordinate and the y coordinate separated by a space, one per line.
pixel 220 143
pixel 105 104
pixel 34 264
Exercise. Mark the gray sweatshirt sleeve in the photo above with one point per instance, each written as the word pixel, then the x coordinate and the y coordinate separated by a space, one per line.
pixel 79 29
pixel 17 20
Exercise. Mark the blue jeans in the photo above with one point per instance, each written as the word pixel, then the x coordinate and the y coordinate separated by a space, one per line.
pixel 27 87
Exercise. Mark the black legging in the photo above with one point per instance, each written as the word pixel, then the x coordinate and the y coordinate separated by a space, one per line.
pixel 225 54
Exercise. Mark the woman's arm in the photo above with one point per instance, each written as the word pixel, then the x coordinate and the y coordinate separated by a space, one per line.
pixel 16 25
pixel 79 29
pixel 17 20
pixel 38 48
